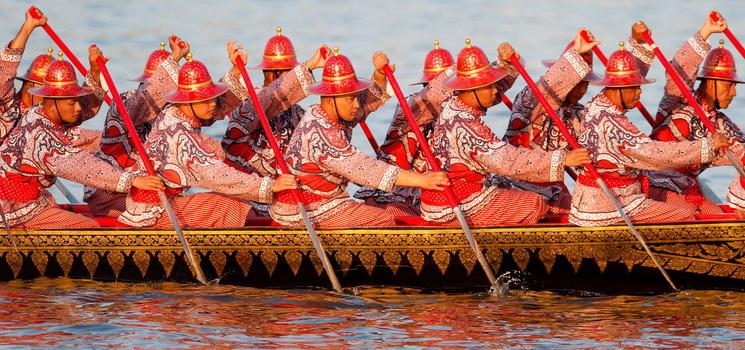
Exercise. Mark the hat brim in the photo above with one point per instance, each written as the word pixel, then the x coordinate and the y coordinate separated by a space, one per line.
pixel 30 79
pixel 622 83
pixel 592 76
pixel 427 77
pixel 213 91
pixel 735 80
pixel 323 88
pixel 71 91
pixel 276 65
pixel 486 77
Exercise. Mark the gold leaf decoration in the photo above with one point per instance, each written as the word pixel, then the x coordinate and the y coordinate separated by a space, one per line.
pixel 142 261
pixel 316 261
pixel 468 259
pixel 521 257
pixel 116 261
pixel 218 260
pixel 344 259
pixel 15 261
pixel 90 260
pixel 40 259
pixel 245 260
pixel 548 258
pixel 65 259
pixel 442 259
pixel 293 259
pixel 392 259
pixel 494 257
pixel 368 259
pixel 167 260
pixel 269 258
pixel 416 258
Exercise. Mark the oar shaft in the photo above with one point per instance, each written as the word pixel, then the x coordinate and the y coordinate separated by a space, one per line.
pixel 151 171
pixel 591 168
pixel 507 102
pixel 370 137
pixel 604 60
pixel 66 192
pixel 285 170
pixel 424 146
pixel 716 16
pixel 36 13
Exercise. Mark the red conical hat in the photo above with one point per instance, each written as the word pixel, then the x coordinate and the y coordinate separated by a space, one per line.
pixel 60 82
pixel 194 84
pixel 438 60
pixel 587 56
pixel 339 78
pixel 38 68
pixel 622 70
pixel 153 61
pixel 279 54
pixel 474 70
pixel 720 65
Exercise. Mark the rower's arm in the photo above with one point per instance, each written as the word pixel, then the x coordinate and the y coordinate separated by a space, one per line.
pixel 9 61
pixel 349 162
pixel 148 100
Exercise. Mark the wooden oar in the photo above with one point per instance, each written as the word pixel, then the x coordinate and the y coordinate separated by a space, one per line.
pixel 436 167
pixel 151 171
pixel 36 13
pixel 604 60
pixel 653 122
pixel 591 168
pixel 370 137
pixel 66 192
pixel 691 100
pixel 716 17
pixel 285 170
pixel 8 233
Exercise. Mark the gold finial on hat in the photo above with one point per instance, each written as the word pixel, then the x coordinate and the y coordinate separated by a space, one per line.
pixel 621 45
pixel 336 51
pixel 49 51
pixel 437 44
pixel 721 43
pixel 278 30
pixel 188 57
pixel 468 42
pixel 59 56
pixel 162 45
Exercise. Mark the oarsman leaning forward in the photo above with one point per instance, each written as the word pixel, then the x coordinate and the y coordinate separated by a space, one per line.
pixel 320 153
pixel 469 151
pixel 286 83
pixel 185 157
pixel 680 122
pixel 401 147
pixel 143 106
pixel 620 151
pixel 43 147
pixel 530 126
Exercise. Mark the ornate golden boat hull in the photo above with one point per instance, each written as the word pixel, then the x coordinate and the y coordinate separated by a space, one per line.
pixel 604 259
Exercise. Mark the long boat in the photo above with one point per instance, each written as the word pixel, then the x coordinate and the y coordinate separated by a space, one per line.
pixel 705 254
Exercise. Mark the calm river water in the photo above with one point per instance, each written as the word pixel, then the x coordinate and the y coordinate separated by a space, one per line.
pixel 64 313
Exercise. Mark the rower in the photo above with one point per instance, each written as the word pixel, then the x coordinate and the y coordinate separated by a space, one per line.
pixel 320 153
pixel 563 85
pixel 43 147
pixel 186 158
pixel 400 147
pixel 245 144
pixel 469 151
pixel 620 151
pixel 143 105
pixel 679 122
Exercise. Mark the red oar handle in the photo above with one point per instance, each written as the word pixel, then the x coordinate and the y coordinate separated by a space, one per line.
pixel 423 145
pixel 36 13
pixel 127 119
pixel 684 89
pixel 551 113
pixel 265 124
pixel 507 102
pixel 716 16
pixel 370 137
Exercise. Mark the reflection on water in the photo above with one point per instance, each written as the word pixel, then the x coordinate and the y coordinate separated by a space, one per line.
pixel 67 313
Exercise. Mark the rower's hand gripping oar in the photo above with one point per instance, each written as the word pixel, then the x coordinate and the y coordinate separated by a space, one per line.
pixel 716 17
pixel 285 170
pixel 594 172
pixel 36 13
pixel 604 60
pixel 151 171
pixel 691 100
pixel 436 167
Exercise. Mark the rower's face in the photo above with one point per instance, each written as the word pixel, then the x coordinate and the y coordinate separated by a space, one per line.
pixel 631 95
pixel 721 90
pixel 347 106
pixel 576 93
pixel 30 99
pixel 69 110
pixel 204 110
pixel 271 75
pixel 488 95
